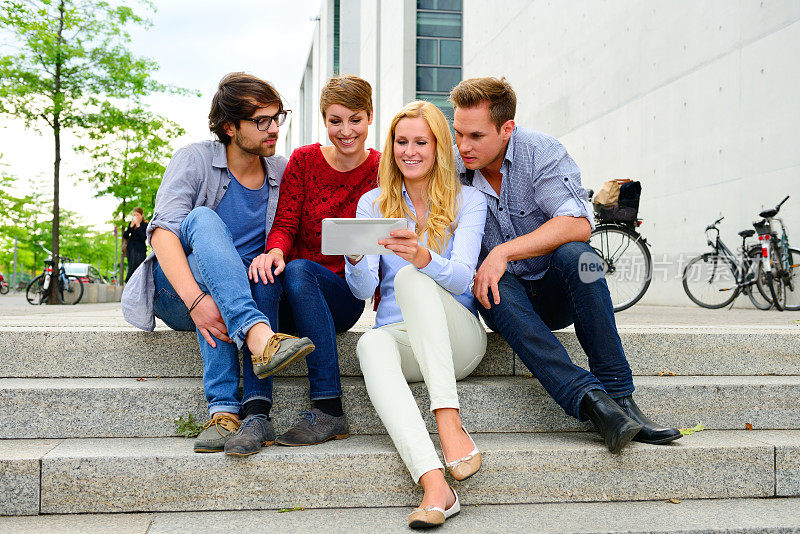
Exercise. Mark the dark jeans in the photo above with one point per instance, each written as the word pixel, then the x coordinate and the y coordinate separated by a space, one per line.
pixel 322 299
pixel 319 305
pixel 529 311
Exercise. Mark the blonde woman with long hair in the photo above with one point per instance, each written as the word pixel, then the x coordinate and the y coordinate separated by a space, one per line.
pixel 426 326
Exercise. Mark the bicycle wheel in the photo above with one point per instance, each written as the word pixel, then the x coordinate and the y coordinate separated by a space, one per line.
pixel 35 292
pixel 791 281
pixel 72 291
pixel 626 262
pixel 4 288
pixel 757 298
pixel 710 281
pixel 771 283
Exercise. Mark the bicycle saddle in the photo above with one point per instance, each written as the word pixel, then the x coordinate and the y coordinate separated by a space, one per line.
pixel 747 233
pixel 768 213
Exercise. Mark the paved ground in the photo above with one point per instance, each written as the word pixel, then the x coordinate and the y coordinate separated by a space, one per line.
pixel 15 311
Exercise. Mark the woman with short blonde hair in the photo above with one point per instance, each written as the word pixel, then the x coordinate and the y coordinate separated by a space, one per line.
pixel 426 327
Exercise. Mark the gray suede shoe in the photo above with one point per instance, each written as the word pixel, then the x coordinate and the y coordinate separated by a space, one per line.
pixel 315 427
pixel 215 433
pixel 255 432
pixel 281 350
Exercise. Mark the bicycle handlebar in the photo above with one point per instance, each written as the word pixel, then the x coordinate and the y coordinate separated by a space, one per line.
pixel 714 225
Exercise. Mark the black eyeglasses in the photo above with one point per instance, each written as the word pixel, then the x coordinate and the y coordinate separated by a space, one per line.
pixel 263 123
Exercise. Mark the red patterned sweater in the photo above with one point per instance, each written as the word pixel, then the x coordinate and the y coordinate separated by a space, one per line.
pixel 312 190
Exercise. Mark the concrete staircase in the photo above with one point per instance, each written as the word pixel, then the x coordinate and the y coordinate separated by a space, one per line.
pixel 88 427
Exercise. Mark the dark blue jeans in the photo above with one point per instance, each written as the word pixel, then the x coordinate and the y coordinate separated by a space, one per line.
pixel 529 311
pixel 319 305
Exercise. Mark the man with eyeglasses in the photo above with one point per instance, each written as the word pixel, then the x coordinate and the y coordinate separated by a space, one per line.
pixel 213 212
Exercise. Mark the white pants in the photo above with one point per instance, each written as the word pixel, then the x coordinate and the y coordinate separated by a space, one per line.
pixel 439 342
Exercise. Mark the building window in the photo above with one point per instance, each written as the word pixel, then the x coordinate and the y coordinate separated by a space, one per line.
pixel 337 47
pixel 439 35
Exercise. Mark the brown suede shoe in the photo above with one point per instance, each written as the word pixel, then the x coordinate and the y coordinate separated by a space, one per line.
pixel 315 427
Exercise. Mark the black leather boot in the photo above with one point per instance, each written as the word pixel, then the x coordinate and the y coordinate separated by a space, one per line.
pixel 609 419
pixel 651 431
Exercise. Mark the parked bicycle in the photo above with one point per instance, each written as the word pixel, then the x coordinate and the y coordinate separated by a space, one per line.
pixel 69 290
pixel 779 270
pixel 111 277
pixel 4 287
pixel 626 258
pixel 714 279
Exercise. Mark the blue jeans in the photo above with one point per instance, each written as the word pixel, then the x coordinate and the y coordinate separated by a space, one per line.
pixel 530 310
pixel 219 270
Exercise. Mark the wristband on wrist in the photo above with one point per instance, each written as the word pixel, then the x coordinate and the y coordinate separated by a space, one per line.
pixel 196 302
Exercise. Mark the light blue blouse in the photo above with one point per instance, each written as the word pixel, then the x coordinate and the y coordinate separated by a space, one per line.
pixel 454 269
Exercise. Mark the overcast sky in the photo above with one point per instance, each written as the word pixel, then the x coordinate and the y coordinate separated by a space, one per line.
pixel 195 42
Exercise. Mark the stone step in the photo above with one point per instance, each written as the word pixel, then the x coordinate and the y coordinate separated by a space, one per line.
pixel 39 352
pixel 777 515
pixel 126 407
pixel 163 474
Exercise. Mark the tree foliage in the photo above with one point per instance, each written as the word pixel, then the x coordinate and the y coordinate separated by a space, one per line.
pixel 70 69
pixel 128 150
pixel 27 219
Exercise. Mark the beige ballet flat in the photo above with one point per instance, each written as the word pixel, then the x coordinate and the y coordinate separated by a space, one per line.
pixel 467 466
pixel 433 516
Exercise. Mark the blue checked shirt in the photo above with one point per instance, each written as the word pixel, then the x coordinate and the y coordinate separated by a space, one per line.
pixel 540 181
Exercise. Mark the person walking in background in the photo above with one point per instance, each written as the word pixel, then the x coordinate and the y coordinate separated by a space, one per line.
pixel 320 182
pixel 213 211
pixel 426 327
pixel 136 236
pixel 529 281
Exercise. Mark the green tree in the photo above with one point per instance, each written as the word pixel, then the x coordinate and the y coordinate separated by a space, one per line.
pixel 129 151
pixel 69 58
pixel 24 219
pixel 16 215
pixel 27 219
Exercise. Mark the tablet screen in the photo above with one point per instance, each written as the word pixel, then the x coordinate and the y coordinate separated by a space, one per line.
pixel 354 237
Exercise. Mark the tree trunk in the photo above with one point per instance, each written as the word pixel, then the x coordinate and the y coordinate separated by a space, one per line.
pixel 57 97
pixel 121 259
pixel 54 279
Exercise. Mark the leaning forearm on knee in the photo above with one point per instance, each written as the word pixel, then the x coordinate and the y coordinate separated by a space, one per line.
pixel 547 238
pixel 169 253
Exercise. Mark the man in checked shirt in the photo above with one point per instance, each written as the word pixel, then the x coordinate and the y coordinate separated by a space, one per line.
pixel 537 273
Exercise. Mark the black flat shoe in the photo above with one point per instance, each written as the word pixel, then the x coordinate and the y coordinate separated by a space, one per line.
pixel 609 419
pixel 651 431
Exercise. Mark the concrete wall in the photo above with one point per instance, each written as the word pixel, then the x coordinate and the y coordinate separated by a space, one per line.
pixel 350 37
pixel 378 43
pixel 398 27
pixel 698 100
pixel 306 123
pixel 369 61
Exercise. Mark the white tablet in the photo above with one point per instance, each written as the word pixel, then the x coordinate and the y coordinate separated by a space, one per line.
pixel 354 237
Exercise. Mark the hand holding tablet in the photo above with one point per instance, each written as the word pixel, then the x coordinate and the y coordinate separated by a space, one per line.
pixel 357 237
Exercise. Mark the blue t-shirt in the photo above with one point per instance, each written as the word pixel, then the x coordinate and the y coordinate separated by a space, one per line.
pixel 244 212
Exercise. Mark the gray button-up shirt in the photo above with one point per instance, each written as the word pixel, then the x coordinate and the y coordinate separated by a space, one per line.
pixel 540 181
pixel 197 175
